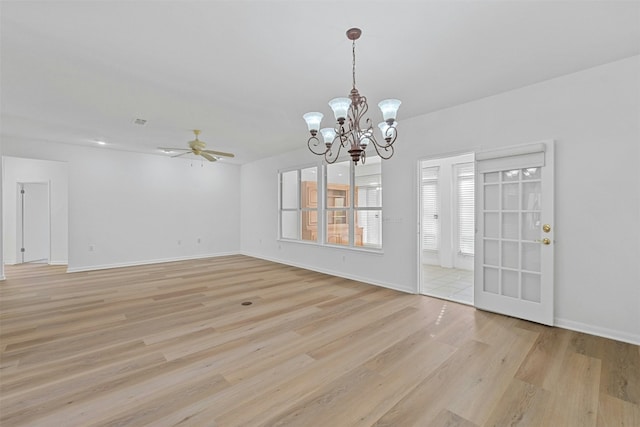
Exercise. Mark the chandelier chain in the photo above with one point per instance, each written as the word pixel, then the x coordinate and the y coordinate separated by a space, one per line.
pixel 353 51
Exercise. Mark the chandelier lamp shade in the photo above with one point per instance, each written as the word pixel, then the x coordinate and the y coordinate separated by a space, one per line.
pixel 352 131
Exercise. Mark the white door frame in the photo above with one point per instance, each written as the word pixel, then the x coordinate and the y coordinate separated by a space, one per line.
pixel 419 238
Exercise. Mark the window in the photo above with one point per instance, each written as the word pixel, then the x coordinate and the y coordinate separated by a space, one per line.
pixel 465 177
pixel 352 204
pixel 368 204
pixel 299 204
pixel 289 205
pixel 309 203
pixel 430 215
pixel 338 203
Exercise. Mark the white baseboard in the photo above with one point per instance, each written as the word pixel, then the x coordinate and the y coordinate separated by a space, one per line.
pixel 598 331
pixel 2 278
pixel 332 273
pixel 6 262
pixel 146 262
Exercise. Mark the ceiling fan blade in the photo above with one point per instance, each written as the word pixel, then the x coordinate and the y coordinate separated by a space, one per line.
pixel 182 154
pixel 208 157
pixel 219 153
pixel 197 147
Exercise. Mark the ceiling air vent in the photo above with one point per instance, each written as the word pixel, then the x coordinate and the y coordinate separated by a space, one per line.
pixel 140 122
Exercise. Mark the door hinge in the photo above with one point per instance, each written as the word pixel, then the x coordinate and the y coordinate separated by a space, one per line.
pixel 22 191
pixel 21 249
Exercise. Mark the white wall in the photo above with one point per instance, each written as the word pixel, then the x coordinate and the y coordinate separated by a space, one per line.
pixel 594 117
pixel 128 208
pixel 17 170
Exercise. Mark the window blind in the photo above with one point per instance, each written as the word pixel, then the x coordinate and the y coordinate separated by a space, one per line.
pixel 430 223
pixel 465 177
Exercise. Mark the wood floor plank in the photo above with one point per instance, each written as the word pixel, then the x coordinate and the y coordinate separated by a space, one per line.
pixel 621 371
pixel 522 404
pixel 614 412
pixel 49 373
pixel 447 418
pixel 239 395
pixel 341 403
pixel 433 395
pixel 151 411
pixel 543 364
pixel 330 367
pixel 485 385
pixel 31 407
pixel 575 395
pixel 170 344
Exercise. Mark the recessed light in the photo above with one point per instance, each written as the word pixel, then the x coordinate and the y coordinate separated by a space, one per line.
pixel 167 151
pixel 100 142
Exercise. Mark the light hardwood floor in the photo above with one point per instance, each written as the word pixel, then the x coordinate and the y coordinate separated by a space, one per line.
pixel 171 344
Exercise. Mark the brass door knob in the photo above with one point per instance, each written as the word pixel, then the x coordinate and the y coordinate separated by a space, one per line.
pixel 546 228
pixel 546 241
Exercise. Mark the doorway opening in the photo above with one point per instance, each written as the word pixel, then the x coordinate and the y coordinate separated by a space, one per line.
pixel 447 232
pixel 50 180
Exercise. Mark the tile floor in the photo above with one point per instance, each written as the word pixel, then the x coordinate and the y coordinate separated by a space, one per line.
pixel 448 283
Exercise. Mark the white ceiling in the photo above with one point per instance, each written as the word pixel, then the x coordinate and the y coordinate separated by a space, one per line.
pixel 245 72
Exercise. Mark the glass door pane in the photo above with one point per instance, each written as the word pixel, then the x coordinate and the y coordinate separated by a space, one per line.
pixel 512 199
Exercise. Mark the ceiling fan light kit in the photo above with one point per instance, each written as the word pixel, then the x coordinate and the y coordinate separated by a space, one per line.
pixel 198 148
pixel 349 132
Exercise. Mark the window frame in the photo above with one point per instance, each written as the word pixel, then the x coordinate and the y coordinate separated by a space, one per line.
pixel 282 209
pixel 322 209
pixel 299 209
pixel 357 209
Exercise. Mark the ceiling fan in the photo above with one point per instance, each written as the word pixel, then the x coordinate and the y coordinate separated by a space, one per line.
pixel 197 147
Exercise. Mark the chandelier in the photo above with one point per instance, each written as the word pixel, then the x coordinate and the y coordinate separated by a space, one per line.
pixel 349 132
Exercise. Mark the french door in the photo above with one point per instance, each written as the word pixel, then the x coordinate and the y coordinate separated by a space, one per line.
pixel 515 232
